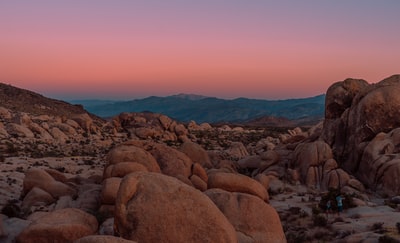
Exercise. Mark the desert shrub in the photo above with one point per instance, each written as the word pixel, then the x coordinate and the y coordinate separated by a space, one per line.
pixel 316 210
pixel 20 169
pixel 390 204
pixel 303 214
pixel 378 227
pixel 338 219
pixel 320 221
pixel 296 237
pixel 11 210
pixel 320 235
pixel 88 162
pixel 11 149
pixel 60 169
pixel 2 158
pixel 100 216
pixel 295 210
pixel 355 216
pixel 387 239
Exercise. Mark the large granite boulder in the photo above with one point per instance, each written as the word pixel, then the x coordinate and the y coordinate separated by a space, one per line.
pixel 152 207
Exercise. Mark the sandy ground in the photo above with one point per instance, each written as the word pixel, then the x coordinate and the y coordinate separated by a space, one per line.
pixel 352 225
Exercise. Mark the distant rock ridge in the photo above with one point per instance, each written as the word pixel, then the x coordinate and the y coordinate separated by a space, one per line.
pixel 187 107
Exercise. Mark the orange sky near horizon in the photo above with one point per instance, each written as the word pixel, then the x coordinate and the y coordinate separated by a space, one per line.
pixel 259 49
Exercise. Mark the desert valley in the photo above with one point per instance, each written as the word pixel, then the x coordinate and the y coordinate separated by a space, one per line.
pixel 70 176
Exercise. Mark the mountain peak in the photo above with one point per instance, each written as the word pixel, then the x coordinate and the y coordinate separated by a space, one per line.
pixel 189 96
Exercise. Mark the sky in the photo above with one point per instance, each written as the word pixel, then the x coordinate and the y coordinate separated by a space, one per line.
pixel 125 49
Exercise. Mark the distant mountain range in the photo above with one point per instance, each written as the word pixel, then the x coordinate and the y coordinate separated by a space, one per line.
pixel 187 107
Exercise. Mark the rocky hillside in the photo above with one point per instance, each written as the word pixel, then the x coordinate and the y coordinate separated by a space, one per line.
pixel 21 100
pixel 207 109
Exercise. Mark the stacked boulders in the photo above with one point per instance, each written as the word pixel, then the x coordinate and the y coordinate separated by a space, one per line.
pixel 148 156
pixel 152 207
pixel 121 161
pixel 380 168
pixel 44 187
pixel 159 197
pixel 150 126
pixel 360 120
pixel 317 168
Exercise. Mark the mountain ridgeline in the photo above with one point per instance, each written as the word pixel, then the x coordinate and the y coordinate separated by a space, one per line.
pixel 209 109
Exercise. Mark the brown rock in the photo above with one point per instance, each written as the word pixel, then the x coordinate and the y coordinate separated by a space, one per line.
pixel 373 109
pixel 184 179
pixel 57 175
pixel 5 113
pixel 252 162
pixel 165 121
pixel 66 129
pixel 196 153
pixel 171 161
pixel 36 197
pixel 39 131
pixel 102 239
pixel 152 207
pixel 380 166
pixel 340 95
pixel 123 168
pixel 249 215
pixel 84 121
pixel 58 135
pixel 89 198
pixel 180 130
pixel 39 178
pixel 3 131
pixel 109 190
pixel 145 132
pixel 128 152
pixel 237 150
pixel 198 183
pixel 310 155
pixel 356 184
pixel 237 183
pixel 263 179
pixel 65 225
pixel 199 171
pixel 329 165
pixel 19 130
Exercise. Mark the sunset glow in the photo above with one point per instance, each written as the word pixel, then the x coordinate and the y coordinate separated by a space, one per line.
pixel 258 49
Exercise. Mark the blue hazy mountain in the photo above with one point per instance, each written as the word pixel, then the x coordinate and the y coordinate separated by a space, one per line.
pixel 187 107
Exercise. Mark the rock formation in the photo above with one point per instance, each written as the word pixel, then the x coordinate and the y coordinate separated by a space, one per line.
pixel 152 207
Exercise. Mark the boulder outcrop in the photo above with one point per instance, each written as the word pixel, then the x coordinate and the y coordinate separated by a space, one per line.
pixel 253 219
pixel 237 183
pixel 357 115
pixel 152 207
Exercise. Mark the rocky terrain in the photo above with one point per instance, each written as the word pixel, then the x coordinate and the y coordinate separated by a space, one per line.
pixel 69 176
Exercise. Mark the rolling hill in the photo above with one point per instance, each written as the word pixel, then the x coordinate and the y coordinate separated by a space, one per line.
pixel 185 108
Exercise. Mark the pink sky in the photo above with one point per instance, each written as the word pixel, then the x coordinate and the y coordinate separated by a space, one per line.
pixel 258 49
